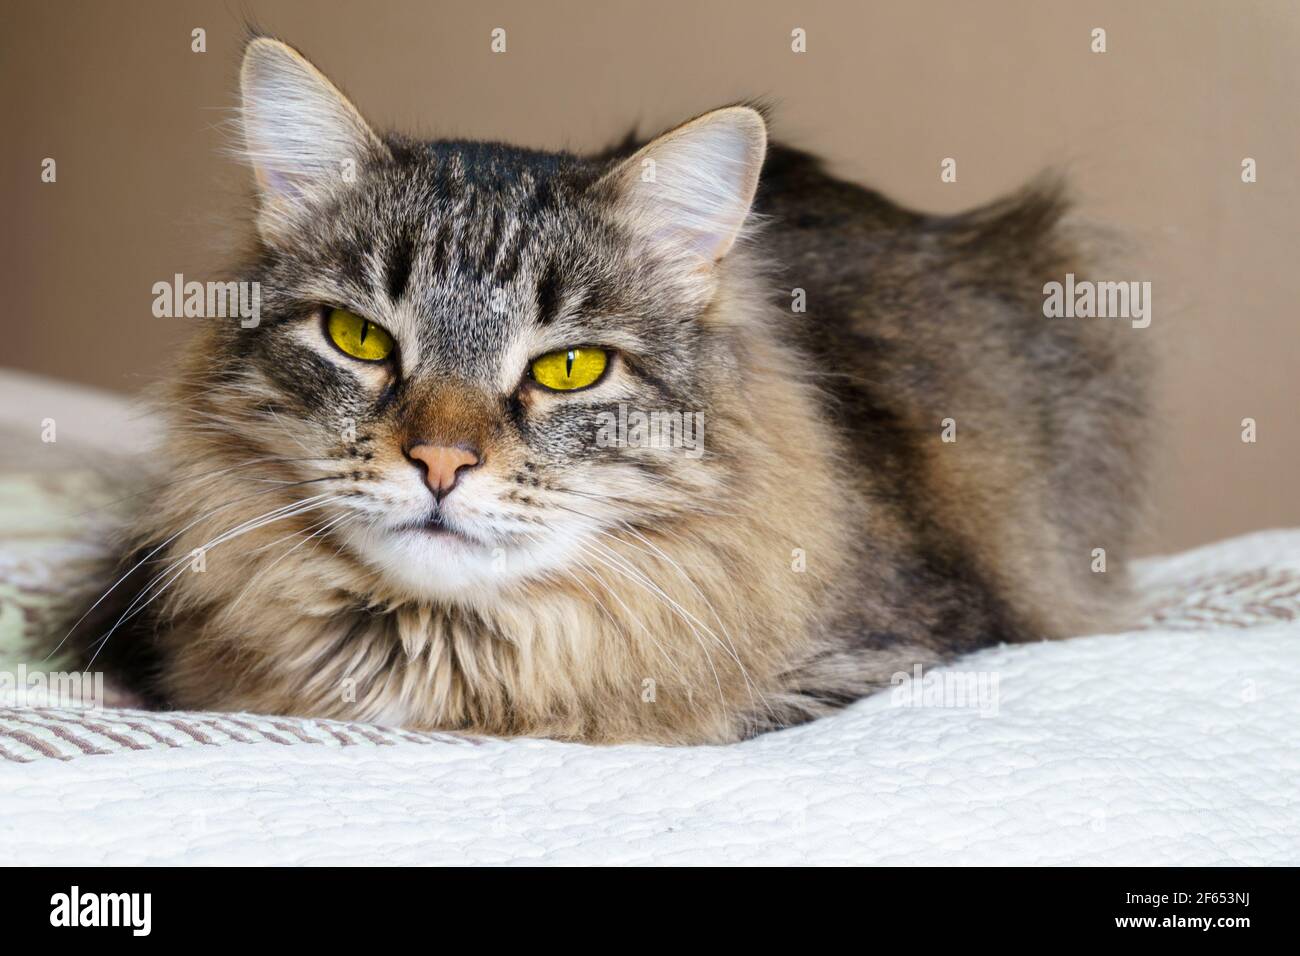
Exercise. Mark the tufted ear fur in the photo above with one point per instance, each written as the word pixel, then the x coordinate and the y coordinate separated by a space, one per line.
pixel 300 134
pixel 692 187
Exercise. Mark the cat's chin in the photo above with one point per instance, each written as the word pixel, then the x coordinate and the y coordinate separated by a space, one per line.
pixel 430 562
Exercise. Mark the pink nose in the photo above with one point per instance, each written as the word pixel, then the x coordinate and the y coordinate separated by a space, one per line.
pixel 442 465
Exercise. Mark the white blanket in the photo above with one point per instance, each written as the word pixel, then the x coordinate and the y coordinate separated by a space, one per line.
pixel 1175 744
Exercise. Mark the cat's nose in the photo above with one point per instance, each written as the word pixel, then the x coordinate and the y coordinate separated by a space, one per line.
pixel 442 465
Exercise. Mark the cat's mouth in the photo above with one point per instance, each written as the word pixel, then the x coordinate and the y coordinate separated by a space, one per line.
pixel 436 527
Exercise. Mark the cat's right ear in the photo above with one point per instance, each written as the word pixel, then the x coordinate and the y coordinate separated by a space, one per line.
pixel 300 134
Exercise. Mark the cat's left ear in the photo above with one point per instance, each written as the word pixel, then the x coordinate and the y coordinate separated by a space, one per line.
pixel 301 135
pixel 692 187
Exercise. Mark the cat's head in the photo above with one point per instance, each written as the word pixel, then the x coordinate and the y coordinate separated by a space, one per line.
pixel 483 358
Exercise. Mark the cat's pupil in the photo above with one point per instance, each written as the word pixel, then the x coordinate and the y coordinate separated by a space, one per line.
pixel 568 364
pixel 365 329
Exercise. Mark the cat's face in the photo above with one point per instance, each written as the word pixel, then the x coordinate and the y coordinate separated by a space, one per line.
pixel 485 358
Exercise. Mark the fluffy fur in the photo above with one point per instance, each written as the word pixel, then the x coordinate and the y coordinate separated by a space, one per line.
pixel 827 538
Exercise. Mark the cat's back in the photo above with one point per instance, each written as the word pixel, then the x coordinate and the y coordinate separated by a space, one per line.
pixel 975 420
pixel 860 256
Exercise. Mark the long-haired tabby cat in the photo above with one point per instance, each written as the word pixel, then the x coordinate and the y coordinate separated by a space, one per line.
pixel 416 493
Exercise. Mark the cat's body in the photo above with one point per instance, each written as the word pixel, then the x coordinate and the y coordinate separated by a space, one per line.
pixel 829 537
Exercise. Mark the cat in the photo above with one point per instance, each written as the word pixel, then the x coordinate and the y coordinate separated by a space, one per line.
pixel 386 500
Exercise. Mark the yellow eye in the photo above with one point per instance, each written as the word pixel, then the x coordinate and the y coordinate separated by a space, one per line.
pixel 359 337
pixel 570 369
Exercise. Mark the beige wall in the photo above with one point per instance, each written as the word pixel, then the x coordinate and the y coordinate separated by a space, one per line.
pixel 1152 134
